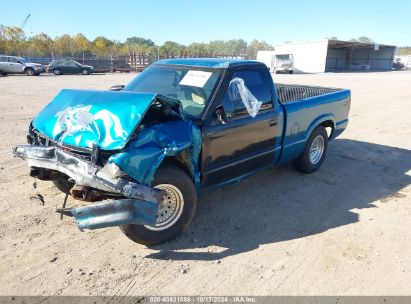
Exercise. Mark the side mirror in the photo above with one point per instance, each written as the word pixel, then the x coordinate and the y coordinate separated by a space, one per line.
pixel 220 114
pixel 118 87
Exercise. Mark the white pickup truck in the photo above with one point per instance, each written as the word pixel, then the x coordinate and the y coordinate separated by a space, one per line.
pixel 277 62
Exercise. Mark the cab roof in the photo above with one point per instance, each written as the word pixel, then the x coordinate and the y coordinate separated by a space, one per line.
pixel 208 62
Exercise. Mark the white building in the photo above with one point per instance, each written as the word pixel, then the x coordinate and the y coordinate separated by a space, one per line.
pixel 336 55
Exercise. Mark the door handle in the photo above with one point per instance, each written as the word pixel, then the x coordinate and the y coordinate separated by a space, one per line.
pixel 273 122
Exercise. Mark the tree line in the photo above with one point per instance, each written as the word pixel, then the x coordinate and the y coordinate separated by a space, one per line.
pixel 13 41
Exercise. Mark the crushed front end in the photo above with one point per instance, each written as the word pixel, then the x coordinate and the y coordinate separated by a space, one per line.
pixel 105 147
pixel 130 202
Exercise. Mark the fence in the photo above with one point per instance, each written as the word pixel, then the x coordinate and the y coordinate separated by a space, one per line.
pixel 133 62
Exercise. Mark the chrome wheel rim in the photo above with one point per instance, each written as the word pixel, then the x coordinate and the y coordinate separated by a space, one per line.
pixel 170 209
pixel 316 150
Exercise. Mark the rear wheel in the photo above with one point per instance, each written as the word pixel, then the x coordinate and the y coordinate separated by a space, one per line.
pixel 29 72
pixel 56 72
pixel 175 212
pixel 314 152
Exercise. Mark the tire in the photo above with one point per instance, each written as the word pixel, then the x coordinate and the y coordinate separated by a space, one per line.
pixel 291 72
pixel 56 72
pixel 314 152
pixel 63 185
pixel 29 72
pixel 178 181
pixel 85 72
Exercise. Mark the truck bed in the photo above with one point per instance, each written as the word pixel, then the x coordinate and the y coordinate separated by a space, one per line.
pixel 287 93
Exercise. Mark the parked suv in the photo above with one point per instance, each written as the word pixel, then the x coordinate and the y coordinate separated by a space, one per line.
pixel 68 66
pixel 18 65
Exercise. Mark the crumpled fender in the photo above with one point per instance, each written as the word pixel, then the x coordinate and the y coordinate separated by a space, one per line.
pixel 143 156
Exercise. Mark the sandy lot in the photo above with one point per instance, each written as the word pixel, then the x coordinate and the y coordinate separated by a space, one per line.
pixel 344 230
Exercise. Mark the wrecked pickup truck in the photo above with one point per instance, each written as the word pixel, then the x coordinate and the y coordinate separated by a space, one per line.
pixel 143 152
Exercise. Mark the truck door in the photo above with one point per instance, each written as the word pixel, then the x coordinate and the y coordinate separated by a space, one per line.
pixel 242 144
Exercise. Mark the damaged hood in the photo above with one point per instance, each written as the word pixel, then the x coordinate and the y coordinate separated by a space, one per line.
pixel 83 118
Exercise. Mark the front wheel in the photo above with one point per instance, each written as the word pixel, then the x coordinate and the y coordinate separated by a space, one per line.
pixel 175 212
pixel 85 72
pixel 314 152
pixel 30 72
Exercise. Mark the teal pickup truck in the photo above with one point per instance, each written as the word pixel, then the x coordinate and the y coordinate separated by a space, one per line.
pixel 143 152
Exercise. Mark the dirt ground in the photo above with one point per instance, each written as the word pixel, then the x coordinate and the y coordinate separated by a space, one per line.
pixel 343 230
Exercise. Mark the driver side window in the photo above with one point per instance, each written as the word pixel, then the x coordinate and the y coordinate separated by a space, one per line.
pixel 252 94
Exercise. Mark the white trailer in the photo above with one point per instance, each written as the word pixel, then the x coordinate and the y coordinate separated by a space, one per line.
pixel 277 62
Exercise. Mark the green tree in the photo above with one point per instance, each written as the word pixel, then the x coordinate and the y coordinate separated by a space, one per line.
pixel 256 46
pixel 236 47
pixel 197 49
pixel 102 45
pixel 171 48
pixel 82 44
pixel 216 48
pixel 2 39
pixel 14 40
pixel 41 45
pixel 365 39
pixel 139 40
pixel 64 46
pixel 403 50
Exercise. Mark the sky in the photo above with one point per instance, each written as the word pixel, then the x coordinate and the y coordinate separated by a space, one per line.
pixel 186 21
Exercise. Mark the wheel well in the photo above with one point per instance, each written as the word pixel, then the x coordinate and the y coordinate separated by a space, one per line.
pixel 180 161
pixel 329 127
pixel 26 68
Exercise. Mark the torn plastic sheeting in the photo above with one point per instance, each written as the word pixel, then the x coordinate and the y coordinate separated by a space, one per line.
pixel 238 90
pixel 143 156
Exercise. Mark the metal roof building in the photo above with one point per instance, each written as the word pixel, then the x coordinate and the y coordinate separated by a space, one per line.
pixel 338 55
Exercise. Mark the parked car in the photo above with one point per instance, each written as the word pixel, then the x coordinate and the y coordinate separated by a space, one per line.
pixel 68 66
pixel 362 67
pixel 19 65
pixel 210 122
pixel 398 65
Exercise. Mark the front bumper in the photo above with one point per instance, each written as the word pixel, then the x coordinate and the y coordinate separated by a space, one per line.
pixel 138 203
pixel 39 69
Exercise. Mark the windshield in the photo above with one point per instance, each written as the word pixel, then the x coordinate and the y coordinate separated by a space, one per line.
pixel 192 86
pixel 283 57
